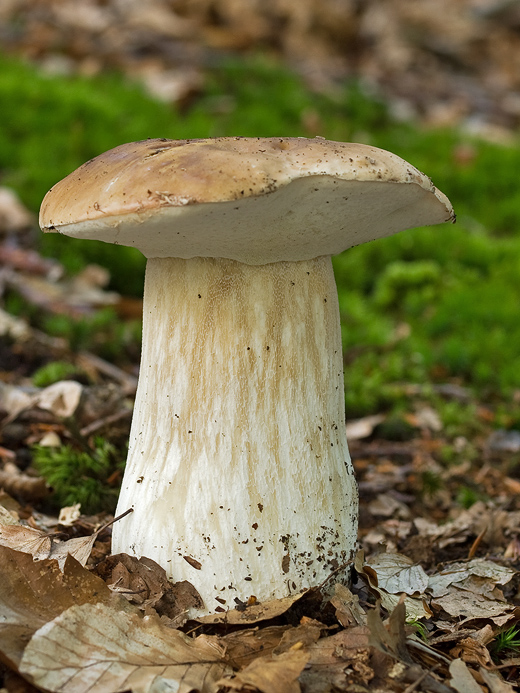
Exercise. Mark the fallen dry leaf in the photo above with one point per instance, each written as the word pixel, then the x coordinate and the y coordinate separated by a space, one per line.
pixel 97 646
pixel 398 574
pixel 338 660
pixel 254 613
pixel 467 606
pixel 40 545
pixel 462 679
pixel 61 399
pixel 271 674
pixel 459 572
pixel 144 583
pixel 243 646
pixel 357 429
pixel 468 590
pixel 395 578
pixel 494 683
pixel 33 593
pixel 348 609
pixel 302 636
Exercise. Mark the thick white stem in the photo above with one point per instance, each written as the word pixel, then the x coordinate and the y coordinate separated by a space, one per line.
pixel 238 471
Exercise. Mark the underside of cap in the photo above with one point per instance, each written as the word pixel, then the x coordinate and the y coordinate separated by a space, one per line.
pixel 255 200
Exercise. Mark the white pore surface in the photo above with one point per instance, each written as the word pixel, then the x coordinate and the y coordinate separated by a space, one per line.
pixel 309 217
pixel 238 456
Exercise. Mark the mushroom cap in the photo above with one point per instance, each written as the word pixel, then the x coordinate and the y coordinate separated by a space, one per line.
pixel 255 200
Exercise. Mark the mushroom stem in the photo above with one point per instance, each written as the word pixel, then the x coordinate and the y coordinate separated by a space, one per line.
pixel 238 471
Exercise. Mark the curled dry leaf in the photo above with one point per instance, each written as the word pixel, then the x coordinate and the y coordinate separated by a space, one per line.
pixel 61 399
pixel 24 486
pixel 398 574
pixel 144 583
pixel 254 613
pixel 7 518
pixel 468 591
pixel 96 646
pixel 348 608
pixel 393 575
pixel 40 545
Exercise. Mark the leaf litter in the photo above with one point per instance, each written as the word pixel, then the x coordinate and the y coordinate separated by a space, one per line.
pixel 429 595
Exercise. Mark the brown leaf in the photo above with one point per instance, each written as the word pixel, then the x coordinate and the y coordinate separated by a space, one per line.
pixel 97 646
pixel 348 609
pixel 15 482
pixel 494 683
pixel 26 539
pixel 338 661
pixel 144 583
pixel 391 640
pixel 304 635
pixel 40 545
pixel 243 646
pixel 472 652
pixel 255 613
pixel 461 678
pixel 271 674
pixel 32 593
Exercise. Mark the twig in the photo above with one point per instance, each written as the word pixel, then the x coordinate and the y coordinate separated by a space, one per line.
pixel 105 421
pixel 129 382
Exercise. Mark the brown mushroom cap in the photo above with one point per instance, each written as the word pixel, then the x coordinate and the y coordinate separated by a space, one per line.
pixel 255 200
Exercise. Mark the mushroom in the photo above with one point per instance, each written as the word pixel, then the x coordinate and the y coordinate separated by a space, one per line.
pixel 238 469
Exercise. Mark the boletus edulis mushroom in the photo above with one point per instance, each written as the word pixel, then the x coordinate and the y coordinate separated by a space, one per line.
pixel 238 471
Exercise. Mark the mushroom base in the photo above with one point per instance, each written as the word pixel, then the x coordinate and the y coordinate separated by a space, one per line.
pixel 238 471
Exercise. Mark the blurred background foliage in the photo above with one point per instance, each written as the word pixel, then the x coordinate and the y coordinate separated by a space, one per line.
pixel 428 306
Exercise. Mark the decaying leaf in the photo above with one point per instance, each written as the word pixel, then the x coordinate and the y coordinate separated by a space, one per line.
pixel 397 574
pixel 348 609
pixel 468 591
pixel 71 513
pixel 32 593
pixel 61 399
pixel 467 606
pixel 145 583
pixel 393 575
pixel 302 636
pixel 40 545
pixel 254 613
pixel 96 646
pixel 339 660
pixel 243 646
pixel 271 674
pixel 472 649
pixel 459 572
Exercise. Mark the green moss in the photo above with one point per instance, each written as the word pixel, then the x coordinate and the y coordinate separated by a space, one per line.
pixel 90 477
pixel 53 372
